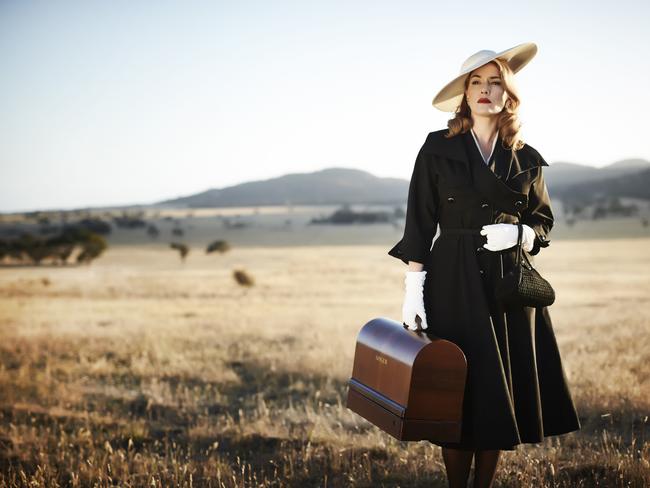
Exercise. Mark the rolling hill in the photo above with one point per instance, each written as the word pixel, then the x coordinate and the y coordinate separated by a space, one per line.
pixel 352 186
pixel 560 175
pixel 328 186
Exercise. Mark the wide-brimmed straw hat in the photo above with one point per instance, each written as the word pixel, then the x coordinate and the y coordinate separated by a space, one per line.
pixel 448 99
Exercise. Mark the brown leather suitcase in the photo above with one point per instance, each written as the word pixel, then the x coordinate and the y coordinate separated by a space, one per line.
pixel 408 383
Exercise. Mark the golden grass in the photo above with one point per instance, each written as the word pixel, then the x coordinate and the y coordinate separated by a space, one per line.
pixel 138 370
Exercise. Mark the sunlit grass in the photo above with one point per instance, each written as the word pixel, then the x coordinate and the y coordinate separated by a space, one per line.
pixel 141 371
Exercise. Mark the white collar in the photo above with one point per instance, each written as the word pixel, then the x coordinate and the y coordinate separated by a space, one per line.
pixel 494 142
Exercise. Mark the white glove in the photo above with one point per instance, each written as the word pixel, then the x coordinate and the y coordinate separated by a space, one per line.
pixel 414 299
pixel 504 236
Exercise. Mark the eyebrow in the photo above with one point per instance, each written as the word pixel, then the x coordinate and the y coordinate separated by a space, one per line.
pixel 478 76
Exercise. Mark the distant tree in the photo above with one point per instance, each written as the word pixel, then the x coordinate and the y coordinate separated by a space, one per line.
pixel 98 226
pixel 36 248
pixel 153 231
pixel 57 248
pixel 10 249
pixel 230 224
pixel 599 212
pixel 61 246
pixel 182 249
pixel 177 231
pixel 575 208
pixel 46 229
pixel 130 221
pixel 63 252
pixel 345 215
pixel 218 246
pixel 92 247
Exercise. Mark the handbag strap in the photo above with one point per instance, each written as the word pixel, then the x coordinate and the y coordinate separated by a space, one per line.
pixel 520 231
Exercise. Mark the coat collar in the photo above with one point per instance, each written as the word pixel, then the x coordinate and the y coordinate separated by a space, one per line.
pixel 492 185
pixel 454 148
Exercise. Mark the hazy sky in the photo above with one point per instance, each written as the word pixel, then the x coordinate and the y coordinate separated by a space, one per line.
pixel 120 102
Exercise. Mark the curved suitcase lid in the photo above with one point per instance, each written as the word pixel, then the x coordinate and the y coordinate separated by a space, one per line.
pixel 390 359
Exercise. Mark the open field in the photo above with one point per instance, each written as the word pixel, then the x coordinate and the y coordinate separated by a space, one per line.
pixel 139 370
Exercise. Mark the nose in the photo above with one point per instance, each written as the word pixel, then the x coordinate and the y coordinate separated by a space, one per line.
pixel 485 88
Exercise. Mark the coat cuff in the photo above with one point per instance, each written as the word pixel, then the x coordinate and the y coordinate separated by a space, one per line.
pixel 401 251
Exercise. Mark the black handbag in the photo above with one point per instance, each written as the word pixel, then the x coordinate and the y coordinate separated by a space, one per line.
pixel 523 285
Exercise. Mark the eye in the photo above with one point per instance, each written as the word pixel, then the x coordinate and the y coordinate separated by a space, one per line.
pixel 497 82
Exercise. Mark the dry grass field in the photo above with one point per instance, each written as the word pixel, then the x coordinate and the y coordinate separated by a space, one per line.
pixel 141 371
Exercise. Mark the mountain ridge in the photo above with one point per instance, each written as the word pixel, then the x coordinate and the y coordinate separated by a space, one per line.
pixel 344 185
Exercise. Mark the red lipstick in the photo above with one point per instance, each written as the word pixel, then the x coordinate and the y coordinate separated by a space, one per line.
pixel 484 100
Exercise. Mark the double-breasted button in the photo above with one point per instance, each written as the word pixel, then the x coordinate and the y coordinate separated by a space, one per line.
pixel 480 271
pixel 480 249
pixel 484 205
pixel 519 203
pixel 450 199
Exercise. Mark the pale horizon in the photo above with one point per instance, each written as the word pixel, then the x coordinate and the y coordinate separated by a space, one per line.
pixel 122 103
pixel 172 197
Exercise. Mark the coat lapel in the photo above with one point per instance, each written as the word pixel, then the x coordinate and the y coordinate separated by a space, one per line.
pixel 508 167
pixel 491 184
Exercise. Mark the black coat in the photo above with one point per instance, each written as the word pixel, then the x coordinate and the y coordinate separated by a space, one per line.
pixel 516 391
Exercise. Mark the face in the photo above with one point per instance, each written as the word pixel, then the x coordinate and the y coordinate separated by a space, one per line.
pixel 485 93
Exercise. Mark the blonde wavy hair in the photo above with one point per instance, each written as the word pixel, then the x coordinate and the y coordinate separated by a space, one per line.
pixel 508 124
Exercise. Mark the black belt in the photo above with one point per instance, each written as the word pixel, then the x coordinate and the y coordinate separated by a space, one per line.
pixel 459 230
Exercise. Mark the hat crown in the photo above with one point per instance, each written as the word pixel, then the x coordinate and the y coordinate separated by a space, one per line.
pixel 477 59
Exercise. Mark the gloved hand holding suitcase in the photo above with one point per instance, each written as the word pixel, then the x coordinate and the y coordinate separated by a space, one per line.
pixel 414 299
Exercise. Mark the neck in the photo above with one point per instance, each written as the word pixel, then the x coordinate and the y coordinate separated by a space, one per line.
pixel 485 128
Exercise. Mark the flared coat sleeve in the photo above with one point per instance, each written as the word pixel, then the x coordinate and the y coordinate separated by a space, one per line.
pixel 539 213
pixel 421 211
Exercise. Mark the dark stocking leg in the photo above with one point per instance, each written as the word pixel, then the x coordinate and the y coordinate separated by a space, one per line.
pixel 458 464
pixel 485 466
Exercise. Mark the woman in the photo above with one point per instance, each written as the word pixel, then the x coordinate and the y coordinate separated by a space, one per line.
pixel 470 182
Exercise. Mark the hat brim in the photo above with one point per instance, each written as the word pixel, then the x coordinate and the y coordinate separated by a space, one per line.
pixel 451 95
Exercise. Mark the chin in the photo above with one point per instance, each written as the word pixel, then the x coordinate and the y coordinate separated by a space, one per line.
pixel 486 112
